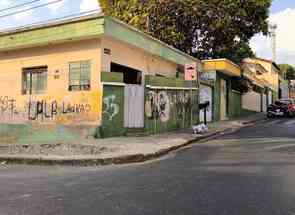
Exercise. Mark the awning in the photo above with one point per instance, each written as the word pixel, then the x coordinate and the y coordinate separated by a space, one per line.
pixel 224 66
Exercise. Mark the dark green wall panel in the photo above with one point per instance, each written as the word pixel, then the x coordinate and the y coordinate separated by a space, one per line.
pixel 113 112
pixel 167 110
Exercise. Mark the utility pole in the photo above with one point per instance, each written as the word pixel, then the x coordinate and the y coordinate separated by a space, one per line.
pixel 273 36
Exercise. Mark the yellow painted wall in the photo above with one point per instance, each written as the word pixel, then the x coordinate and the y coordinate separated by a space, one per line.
pixel 223 65
pixel 125 54
pixel 271 77
pixel 80 107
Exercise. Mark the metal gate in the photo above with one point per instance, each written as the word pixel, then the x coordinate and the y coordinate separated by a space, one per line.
pixel 252 101
pixel 134 106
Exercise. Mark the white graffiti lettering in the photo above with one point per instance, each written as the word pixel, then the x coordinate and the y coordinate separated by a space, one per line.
pixel 111 108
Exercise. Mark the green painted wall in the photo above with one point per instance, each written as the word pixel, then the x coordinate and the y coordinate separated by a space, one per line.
pixel 216 99
pixel 54 34
pixel 168 82
pixel 44 134
pixel 139 39
pixel 235 107
pixel 113 112
pixel 167 110
pixel 90 28
pixel 234 98
pixel 112 77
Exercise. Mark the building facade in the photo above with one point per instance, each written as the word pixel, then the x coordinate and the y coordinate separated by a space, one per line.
pixel 71 78
pixel 225 100
pixel 270 77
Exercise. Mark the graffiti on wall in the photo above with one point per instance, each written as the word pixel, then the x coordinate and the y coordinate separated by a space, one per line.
pixel 7 107
pixel 111 108
pixel 158 106
pixel 41 110
pixel 38 110
pixel 171 105
pixel 183 105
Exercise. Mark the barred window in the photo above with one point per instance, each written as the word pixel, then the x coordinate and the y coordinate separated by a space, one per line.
pixel 80 76
pixel 34 80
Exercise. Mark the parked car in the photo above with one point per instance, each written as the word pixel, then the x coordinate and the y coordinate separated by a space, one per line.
pixel 283 107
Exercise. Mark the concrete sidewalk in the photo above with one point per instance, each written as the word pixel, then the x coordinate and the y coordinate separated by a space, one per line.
pixel 115 150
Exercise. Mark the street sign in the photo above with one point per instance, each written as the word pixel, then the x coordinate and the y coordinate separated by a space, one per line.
pixel 208 76
pixel 191 73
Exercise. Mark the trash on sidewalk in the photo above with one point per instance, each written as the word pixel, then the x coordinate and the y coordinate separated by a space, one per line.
pixel 200 129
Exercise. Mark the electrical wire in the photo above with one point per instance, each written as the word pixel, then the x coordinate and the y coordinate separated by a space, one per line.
pixel 19 5
pixel 31 8
pixel 48 21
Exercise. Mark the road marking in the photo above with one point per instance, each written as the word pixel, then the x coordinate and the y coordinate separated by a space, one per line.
pixel 291 122
pixel 274 122
pixel 25 196
pixel 280 146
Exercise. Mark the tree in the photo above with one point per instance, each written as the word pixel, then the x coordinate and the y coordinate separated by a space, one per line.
pixel 202 28
pixel 287 71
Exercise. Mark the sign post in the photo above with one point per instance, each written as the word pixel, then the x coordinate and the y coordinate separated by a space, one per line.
pixel 191 74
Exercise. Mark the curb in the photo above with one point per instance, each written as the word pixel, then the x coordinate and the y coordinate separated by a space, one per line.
pixel 255 121
pixel 136 158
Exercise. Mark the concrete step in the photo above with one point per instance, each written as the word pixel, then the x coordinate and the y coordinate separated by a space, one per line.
pixel 135 132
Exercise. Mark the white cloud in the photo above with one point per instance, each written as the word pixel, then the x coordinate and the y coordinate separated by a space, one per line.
pixel 285 38
pixel 87 5
pixel 4 3
pixel 24 16
pixel 20 17
pixel 55 7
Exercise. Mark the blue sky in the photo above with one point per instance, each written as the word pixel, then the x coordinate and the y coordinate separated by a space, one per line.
pixel 282 13
pixel 59 9
pixel 279 5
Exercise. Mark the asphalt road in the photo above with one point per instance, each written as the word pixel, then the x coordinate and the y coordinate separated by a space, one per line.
pixel 246 173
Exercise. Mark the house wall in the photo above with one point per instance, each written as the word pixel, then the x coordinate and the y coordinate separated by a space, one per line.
pixel 235 108
pixel 131 56
pixel 172 109
pixel 234 98
pixel 57 105
pixel 113 111
pixel 271 77
pixel 170 104
pixel 285 90
pixel 252 101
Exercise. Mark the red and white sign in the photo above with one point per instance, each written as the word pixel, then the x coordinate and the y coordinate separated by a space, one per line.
pixel 191 73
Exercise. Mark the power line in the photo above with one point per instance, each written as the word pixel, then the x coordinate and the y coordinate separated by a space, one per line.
pixel 31 8
pixel 19 5
pixel 48 21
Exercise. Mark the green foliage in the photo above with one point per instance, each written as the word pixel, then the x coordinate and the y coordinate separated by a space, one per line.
pixel 287 71
pixel 202 28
